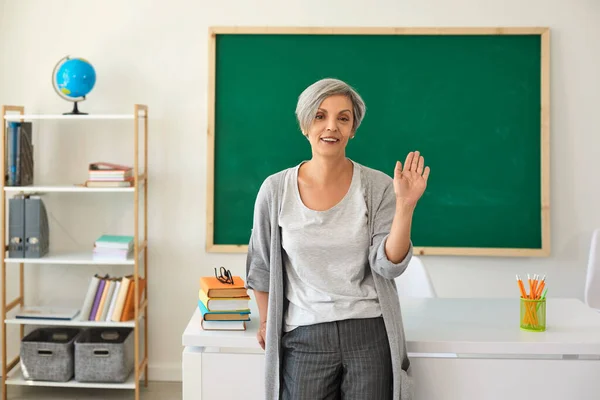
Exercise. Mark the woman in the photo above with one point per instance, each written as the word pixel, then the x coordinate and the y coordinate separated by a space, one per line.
pixel 329 237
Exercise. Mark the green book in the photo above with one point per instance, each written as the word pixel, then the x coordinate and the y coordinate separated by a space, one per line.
pixel 115 241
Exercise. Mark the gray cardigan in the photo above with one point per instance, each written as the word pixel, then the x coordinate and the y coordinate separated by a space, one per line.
pixel 264 272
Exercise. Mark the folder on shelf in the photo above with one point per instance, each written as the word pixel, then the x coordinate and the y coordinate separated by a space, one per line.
pixel 24 161
pixel 88 301
pixel 16 227
pixel 19 154
pixel 10 178
pixel 37 232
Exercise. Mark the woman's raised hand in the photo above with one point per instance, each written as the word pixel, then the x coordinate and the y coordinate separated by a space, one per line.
pixel 410 182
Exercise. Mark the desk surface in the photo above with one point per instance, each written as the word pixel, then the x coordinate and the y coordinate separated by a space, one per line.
pixel 463 326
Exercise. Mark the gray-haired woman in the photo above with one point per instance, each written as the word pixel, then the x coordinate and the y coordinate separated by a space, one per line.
pixel 329 236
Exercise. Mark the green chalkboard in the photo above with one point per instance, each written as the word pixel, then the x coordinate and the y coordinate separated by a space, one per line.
pixel 473 104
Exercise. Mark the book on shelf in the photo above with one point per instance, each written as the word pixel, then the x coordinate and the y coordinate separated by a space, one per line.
pixel 47 312
pixel 109 184
pixel 115 242
pixel 113 247
pixel 111 298
pixel 104 174
pixel 104 166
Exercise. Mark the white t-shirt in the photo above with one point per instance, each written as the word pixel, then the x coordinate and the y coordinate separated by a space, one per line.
pixel 326 258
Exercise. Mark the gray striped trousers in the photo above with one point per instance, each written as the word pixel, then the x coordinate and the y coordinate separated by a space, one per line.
pixel 347 360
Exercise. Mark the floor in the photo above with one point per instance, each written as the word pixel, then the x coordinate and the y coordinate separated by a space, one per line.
pixel 154 391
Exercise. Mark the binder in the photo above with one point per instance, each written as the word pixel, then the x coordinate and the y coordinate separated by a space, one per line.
pixel 16 227
pixel 11 156
pixel 24 155
pixel 19 154
pixel 37 233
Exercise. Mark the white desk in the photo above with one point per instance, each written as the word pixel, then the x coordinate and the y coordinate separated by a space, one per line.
pixel 460 349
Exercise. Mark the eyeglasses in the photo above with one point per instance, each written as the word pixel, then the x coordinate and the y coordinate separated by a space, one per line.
pixel 224 276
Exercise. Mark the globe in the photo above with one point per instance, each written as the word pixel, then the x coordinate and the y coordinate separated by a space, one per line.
pixel 73 79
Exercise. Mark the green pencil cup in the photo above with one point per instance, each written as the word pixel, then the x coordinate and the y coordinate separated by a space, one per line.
pixel 533 315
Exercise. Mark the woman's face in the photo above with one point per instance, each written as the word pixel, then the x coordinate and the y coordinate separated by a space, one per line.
pixel 332 126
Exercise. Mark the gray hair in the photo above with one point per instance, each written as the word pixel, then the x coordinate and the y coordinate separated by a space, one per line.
pixel 312 97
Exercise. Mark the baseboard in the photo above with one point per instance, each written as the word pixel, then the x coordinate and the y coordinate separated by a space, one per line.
pixel 164 372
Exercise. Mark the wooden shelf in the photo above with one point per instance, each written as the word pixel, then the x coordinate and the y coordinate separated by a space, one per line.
pixel 65 188
pixel 73 322
pixel 18 117
pixel 72 258
pixel 74 188
pixel 15 377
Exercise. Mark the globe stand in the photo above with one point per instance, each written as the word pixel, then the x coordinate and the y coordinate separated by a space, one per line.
pixel 75 110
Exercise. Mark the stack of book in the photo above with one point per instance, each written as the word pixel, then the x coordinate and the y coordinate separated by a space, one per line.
pixel 104 174
pixel 223 306
pixel 111 298
pixel 113 247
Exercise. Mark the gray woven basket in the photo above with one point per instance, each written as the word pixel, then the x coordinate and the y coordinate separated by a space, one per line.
pixel 47 354
pixel 104 355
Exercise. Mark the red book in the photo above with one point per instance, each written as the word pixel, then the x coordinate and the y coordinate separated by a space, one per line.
pixel 106 166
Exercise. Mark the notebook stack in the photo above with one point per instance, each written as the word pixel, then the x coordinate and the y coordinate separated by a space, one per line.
pixel 113 247
pixel 103 174
pixel 224 306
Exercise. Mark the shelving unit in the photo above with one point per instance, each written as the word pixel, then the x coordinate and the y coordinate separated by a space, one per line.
pixel 11 370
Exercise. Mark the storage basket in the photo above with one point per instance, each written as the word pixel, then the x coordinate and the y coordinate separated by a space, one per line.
pixel 104 355
pixel 47 354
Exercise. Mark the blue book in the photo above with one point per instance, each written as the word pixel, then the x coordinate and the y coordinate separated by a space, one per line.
pixel 222 315
pixel 12 148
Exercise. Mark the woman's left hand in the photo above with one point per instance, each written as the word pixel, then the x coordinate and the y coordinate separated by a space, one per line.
pixel 410 182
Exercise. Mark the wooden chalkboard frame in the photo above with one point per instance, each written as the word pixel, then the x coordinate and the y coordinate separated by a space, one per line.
pixel 544 34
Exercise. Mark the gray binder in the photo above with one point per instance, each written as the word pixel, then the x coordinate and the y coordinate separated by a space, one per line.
pixel 16 227
pixel 24 162
pixel 37 232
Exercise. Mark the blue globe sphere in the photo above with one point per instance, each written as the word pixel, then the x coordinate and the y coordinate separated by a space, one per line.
pixel 73 79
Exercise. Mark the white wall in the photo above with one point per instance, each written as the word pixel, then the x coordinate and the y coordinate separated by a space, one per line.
pixel 155 52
